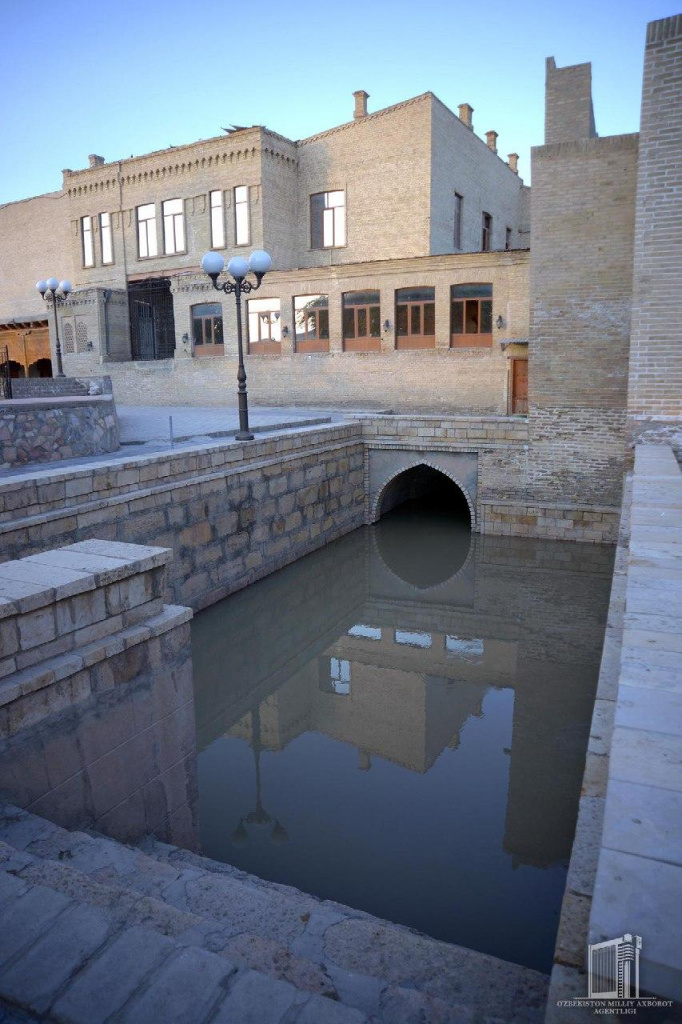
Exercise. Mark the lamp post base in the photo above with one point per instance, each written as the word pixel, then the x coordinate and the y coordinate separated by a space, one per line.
pixel 243 435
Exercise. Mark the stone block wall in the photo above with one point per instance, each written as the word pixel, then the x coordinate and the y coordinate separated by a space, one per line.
pixel 49 429
pixel 655 386
pixel 231 513
pixel 96 707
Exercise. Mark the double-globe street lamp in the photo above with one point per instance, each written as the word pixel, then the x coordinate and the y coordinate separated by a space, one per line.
pixel 55 291
pixel 259 263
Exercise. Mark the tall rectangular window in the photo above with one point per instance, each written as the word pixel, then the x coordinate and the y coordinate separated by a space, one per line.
pixel 265 327
pixel 361 322
pixel 327 220
pixel 486 232
pixel 146 231
pixel 217 220
pixel 105 238
pixel 242 218
pixel 415 318
pixel 86 238
pixel 471 316
pixel 311 323
pixel 508 239
pixel 207 328
pixel 457 234
pixel 173 226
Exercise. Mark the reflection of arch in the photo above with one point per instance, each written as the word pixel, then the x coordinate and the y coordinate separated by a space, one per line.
pixel 16 370
pixel 375 511
pixel 40 368
pixel 433 585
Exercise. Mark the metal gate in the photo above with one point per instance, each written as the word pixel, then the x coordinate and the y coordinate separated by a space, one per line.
pixel 152 321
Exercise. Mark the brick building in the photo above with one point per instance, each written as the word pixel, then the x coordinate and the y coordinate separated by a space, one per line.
pixel 398 241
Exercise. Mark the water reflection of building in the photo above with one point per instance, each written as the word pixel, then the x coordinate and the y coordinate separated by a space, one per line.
pixel 352 650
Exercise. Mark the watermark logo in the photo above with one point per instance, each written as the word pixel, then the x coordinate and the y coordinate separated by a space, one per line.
pixel 613 979
pixel 613 968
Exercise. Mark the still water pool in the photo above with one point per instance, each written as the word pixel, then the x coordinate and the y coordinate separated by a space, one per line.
pixel 399 721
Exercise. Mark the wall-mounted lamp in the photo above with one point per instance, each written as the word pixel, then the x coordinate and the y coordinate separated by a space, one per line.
pixel 387 325
pixel 185 341
pixel 499 323
pixel 89 346
pixel 285 331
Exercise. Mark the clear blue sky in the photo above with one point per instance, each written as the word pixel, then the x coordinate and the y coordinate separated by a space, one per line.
pixel 126 77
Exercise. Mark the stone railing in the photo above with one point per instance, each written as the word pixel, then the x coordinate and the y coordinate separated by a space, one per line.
pixel 60 387
pixel 48 429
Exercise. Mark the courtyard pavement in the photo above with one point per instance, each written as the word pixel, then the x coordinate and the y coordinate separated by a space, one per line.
pixel 145 429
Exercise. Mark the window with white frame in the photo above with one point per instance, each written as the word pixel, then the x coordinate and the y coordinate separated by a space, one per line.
pixel 86 238
pixel 242 219
pixel 173 226
pixel 105 238
pixel 146 231
pixel 217 220
pixel 327 220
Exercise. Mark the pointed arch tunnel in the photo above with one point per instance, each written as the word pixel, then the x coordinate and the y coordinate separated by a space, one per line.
pixel 447 481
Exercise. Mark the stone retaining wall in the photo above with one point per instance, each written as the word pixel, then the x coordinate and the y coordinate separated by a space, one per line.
pixel 60 387
pixel 96 707
pixel 49 429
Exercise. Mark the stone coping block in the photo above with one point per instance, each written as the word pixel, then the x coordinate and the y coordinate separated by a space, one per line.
pixel 60 600
pixel 49 402
pixel 639 873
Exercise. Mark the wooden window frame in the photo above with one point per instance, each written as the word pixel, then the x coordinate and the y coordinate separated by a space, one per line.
pixel 465 339
pixel 486 231
pixel 457 226
pixel 212 347
pixel 420 340
pixel 311 340
pixel 360 342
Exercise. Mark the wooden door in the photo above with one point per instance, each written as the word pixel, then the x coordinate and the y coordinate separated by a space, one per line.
pixel 519 386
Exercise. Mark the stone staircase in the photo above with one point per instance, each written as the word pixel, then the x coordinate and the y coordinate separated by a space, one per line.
pixel 92 930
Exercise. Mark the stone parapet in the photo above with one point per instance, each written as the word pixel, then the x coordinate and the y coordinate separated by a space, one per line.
pixel 51 428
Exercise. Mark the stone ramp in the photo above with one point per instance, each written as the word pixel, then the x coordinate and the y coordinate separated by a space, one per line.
pixel 336 963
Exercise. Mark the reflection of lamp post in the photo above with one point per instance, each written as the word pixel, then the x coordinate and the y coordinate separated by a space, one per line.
pixel 55 291
pixel 259 263
pixel 259 816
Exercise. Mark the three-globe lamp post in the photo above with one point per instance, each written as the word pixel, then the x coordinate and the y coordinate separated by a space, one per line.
pixel 55 291
pixel 259 263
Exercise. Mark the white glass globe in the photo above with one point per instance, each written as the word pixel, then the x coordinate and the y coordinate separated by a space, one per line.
pixel 260 261
pixel 42 287
pixel 238 267
pixel 212 263
pixel 65 287
pixel 52 283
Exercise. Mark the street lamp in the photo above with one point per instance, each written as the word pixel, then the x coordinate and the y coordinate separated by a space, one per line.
pixel 259 263
pixel 55 291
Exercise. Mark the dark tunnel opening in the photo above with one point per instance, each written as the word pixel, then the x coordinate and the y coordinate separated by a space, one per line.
pixel 424 533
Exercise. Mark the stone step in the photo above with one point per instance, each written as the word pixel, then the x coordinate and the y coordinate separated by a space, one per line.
pixel 128 908
pixel 71 962
pixel 389 973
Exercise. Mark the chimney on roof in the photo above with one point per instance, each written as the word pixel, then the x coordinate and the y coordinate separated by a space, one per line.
pixel 95 161
pixel 360 98
pixel 465 115
pixel 513 161
pixel 491 140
